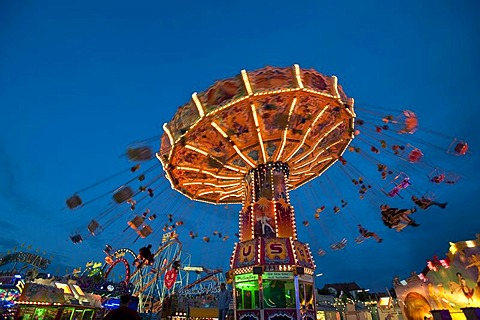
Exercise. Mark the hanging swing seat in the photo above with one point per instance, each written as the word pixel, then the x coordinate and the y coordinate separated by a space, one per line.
pixel 136 222
pixel 108 249
pixel 74 202
pixel 145 231
pixel 140 154
pixel 94 227
pixel 458 147
pixel 123 194
pixel 76 238
pixel 359 239
pixel 400 182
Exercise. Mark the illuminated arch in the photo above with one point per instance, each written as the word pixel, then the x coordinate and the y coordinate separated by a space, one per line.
pixel 127 269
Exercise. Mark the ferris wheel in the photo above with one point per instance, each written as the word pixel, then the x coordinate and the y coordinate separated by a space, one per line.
pixel 147 280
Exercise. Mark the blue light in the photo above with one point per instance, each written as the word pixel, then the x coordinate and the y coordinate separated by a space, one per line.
pixel 111 303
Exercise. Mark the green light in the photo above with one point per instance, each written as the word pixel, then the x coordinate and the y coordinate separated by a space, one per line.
pixel 247 285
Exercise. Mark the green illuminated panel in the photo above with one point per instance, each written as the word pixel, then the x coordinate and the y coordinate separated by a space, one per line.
pixel 246 277
pixel 277 275
pixel 247 295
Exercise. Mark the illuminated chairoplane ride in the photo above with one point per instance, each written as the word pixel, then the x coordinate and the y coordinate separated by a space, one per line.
pixel 250 140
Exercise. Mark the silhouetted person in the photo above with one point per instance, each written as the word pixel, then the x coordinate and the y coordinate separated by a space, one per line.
pixel 425 203
pixel 123 312
pixel 398 219
pixel 224 299
pixel 144 256
pixel 368 234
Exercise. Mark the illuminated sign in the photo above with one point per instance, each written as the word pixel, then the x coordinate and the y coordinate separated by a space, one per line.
pixel 66 289
pixel 246 277
pixel 169 235
pixel 277 275
pixel 201 290
pixel 78 290
pixel 305 277
pixel 26 257
pixel 385 302
pixel 8 282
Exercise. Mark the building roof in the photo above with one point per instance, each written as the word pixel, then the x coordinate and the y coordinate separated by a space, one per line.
pixel 345 287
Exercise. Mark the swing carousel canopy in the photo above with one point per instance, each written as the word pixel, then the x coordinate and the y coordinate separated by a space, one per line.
pixel 291 115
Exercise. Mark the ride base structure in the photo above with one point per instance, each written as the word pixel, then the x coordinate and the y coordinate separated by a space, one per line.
pixel 251 139
pixel 272 275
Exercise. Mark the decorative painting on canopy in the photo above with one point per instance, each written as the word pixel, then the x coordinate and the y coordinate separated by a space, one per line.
pixel 314 80
pixel 184 118
pixel 221 93
pixel 270 78
pixel 237 123
pixel 210 140
pixel 166 146
pixel 273 114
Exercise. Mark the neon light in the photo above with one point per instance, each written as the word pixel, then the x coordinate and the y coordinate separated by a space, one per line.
pixel 209 173
pixel 198 104
pixel 284 138
pixel 243 156
pixel 170 138
pixel 260 140
pixel 246 81
pixel 196 149
pixel 216 126
pixel 308 131
pixel 298 76
pixel 335 86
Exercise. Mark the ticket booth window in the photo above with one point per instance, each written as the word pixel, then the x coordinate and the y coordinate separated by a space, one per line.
pixel 279 293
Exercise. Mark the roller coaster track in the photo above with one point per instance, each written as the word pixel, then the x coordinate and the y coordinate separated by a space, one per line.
pixel 210 273
pixel 119 257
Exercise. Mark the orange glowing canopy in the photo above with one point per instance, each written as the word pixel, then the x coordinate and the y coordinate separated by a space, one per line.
pixel 295 116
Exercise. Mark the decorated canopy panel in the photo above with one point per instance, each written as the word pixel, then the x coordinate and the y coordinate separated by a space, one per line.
pixel 295 116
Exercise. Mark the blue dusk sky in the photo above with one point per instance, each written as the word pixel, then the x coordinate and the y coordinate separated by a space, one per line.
pixel 81 81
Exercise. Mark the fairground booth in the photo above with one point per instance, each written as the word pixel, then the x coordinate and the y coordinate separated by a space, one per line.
pixel 56 301
pixel 448 286
pixel 10 288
